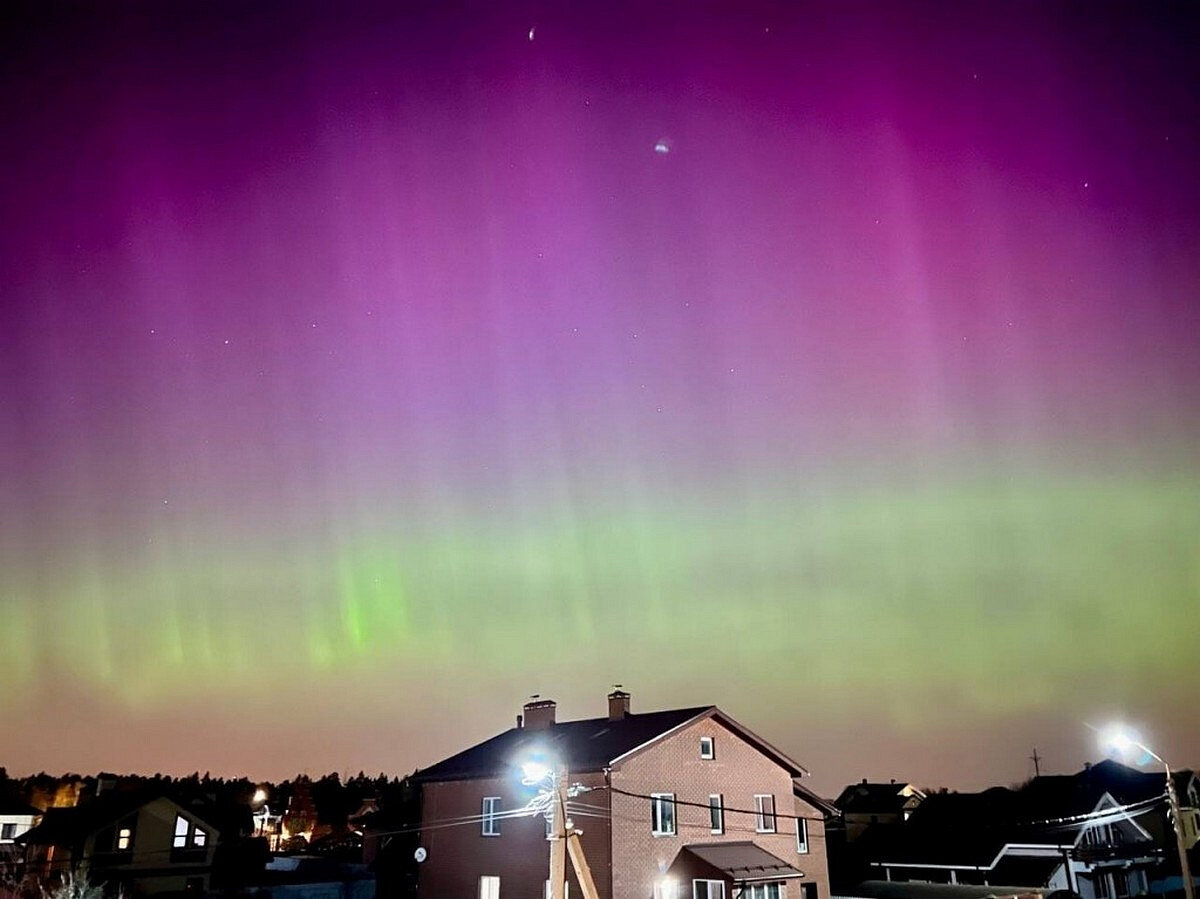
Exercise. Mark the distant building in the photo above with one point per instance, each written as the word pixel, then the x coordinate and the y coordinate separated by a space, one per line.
pixel 16 818
pixel 144 843
pixel 865 804
pixel 1056 832
pixel 678 804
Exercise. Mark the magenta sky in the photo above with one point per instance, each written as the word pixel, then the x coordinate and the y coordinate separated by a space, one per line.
pixel 364 370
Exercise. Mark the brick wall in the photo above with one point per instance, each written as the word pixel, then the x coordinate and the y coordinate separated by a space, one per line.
pixel 457 856
pixel 738 772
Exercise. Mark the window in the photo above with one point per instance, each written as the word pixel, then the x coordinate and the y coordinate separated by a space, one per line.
pixel 489 887
pixel 8 831
pixel 182 828
pixel 707 748
pixel 491 824
pixel 762 891
pixel 1100 881
pixel 124 837
pixel 666 889
pixel 716 813
pixel 187 835
pixel 801 835
pixel 662 814
pixel 764 813
pixel 808 891
pixel 708 889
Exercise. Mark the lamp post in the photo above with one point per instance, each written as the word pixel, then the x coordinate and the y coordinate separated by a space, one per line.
pixel 1123 741
pixel 564 838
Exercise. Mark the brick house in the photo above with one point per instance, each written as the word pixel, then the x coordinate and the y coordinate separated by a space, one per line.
pixel 679 804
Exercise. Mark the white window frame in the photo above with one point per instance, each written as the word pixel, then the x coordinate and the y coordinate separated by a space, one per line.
pixel 764 821
pixel 489 886
pixel 180 840
pixel 801 836
pixel 708 889
pixel 490 826
pixel 658 803
pixel 708 748
pixel 124 838
pixel 717 824
pixel 771 890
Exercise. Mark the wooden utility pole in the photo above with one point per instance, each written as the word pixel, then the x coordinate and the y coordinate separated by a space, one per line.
pixel 1036 759
pixel 558 835
pixel 582 872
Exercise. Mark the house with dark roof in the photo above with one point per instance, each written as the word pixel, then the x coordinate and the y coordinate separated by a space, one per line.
pixel 1056 832
pixel 866 804
pixel 15 819
pixel 675 804
pixel 143 842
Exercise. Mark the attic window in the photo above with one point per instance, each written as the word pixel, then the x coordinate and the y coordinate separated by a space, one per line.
pixel 188 834
pixel 708 749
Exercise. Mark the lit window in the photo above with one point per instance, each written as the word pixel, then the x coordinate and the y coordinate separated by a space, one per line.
pixel 662 814
pixel 801 835
pixel 762 891
pixel 764 813
pixel 491 824
pixel 716 813
pixel 124 838
pixel 199 838
pixel 707 748
pixel 708 889
pixel 489 887
pixel 181 832
pixel 8 831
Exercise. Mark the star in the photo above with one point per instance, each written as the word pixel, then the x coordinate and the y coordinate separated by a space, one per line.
pixel 663 147
pixel 531 31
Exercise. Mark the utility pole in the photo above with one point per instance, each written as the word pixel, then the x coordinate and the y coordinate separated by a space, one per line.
pixel 564 840
pixel 558 834
pixel 1036 759
pixel 1180 841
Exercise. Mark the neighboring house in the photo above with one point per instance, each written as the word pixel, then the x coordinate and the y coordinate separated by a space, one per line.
pixel 15 819
pixel 677 804
pixel 145 843
pixel 1055 833
pixel 863 805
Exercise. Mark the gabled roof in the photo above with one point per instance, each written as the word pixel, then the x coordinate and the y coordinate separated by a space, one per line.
pixel 591 744
pixel 587 745
pixel 827 808
pixel 10 806
pixel 873 798
pixel 70 826
pixel 743 861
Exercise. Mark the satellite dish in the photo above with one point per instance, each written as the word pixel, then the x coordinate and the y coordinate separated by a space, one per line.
pixel 420 855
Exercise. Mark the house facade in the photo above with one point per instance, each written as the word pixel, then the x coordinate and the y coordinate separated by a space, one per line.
pixel 147 845
pixel 677 804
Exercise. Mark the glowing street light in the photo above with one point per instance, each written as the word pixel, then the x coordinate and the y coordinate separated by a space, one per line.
pixel 1123 741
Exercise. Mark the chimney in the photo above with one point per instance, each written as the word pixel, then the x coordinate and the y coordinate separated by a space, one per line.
pixel 618 705
pixel 539 713
pixel 520 722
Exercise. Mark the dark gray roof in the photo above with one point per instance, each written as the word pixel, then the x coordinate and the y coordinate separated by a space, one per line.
pixel 743 861
pixel 72 825
pixel 879 889
pixel 587 745
pixel 10 806
pixel 873 798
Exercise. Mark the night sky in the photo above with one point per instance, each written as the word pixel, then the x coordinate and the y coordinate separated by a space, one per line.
pixel 367 369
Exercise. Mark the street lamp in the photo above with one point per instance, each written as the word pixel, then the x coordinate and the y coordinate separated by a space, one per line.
pixel 1123 741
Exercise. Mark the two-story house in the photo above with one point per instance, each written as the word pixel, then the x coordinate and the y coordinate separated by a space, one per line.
pixel 145 843
pixel 675 804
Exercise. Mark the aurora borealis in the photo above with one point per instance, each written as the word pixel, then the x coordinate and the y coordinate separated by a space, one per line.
pixel 365 371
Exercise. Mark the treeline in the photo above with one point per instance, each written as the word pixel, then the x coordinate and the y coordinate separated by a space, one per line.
pixel 329 800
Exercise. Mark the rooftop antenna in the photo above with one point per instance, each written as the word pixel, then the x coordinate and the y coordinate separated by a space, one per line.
pixel 1036 759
